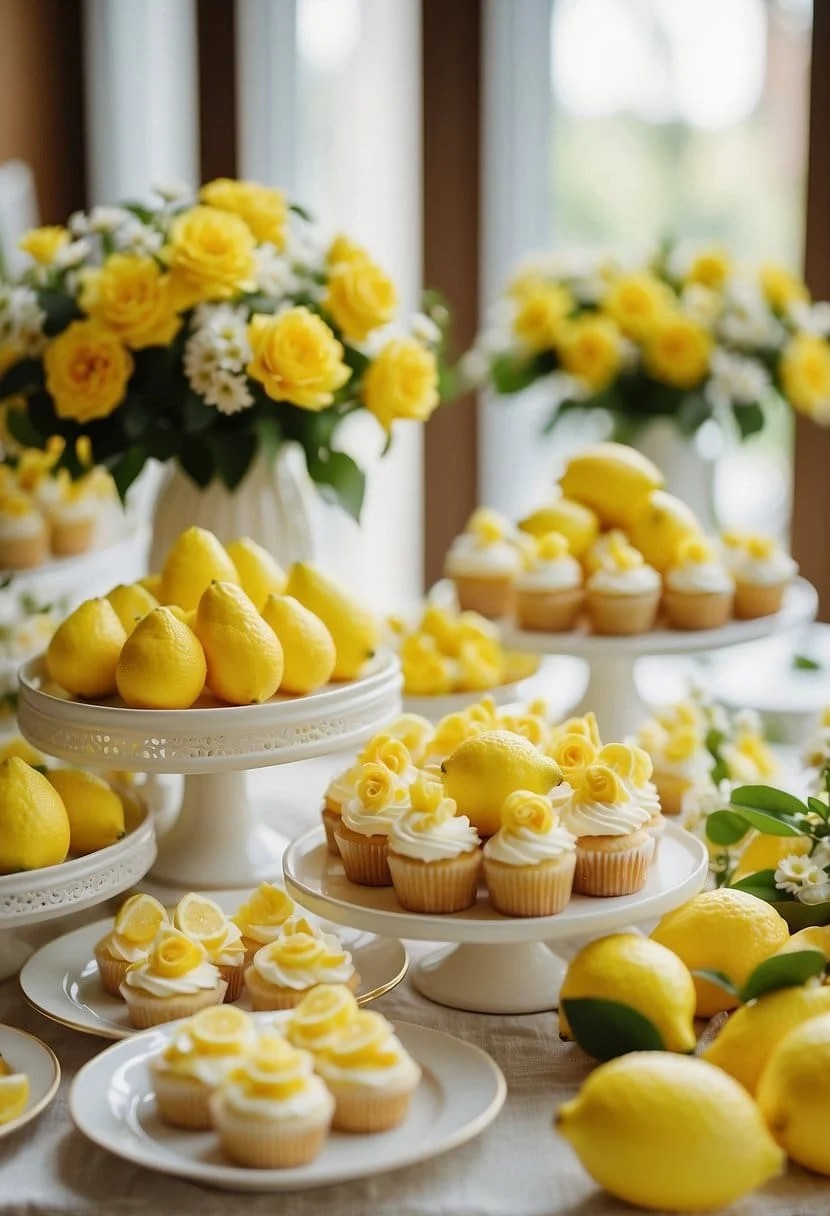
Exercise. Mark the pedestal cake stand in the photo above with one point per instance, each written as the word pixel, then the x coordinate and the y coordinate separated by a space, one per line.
pixel 219 839
pixel 499 964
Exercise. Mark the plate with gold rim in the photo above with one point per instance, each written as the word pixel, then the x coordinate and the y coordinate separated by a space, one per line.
pixel 23 1052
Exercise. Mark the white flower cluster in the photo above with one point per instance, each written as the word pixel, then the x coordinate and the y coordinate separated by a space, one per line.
pixel 805 877
pixel 21 321
pixel 747 322
pixel 215 357
pixel 126 231
pixel 736 379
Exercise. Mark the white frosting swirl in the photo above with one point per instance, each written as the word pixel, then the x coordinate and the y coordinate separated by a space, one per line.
pixel 372 823
pixel 425 837
pixel 20 527
pixel 200 979
pixel 778 567
pixel 591 818
pixel 231 951
pixel 311 1099
pixel 341 788
pixel 525 847
pixel 636 580
pixel 555 574
pixel 121 947
pixel 469 556
pixel 332 966
pixel 183 1058
pixel 645 796
pixel 700 578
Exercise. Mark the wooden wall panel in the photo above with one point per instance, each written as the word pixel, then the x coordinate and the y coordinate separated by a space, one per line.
pixel 217 88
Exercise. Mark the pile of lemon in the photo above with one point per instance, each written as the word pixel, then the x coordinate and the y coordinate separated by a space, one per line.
pixel 223 621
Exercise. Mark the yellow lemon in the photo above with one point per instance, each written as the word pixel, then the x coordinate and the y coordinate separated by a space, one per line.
pixel 612 480
pixel 355 630
pixel 5 1068
pixel 814 938
pixel 244 656
pixel 139 919
pixel 162 665
pixel 221 1030
pixel 577 523
pixel 20 747
pixel 765 852
pixel 187 617
pixel 672 1132
pixel 83 653
pixel 34 825
pixel 151 583
pixel 659 526
pixel 794 1094
pixel 752 1033
pixel 724 930
pixel 637 972
pixel 201 919
pixel 96 813
pixel 259 574
pixel 307 646
pixel 196 560
pixel 14 1095
pixel 131 602
pixel 484 770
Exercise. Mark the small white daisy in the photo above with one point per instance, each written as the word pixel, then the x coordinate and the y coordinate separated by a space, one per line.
pixel 228 393
pixel 795 872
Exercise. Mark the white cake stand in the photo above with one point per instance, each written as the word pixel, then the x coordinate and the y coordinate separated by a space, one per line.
pixel 500 964
pixel 219 839
pixel 612 689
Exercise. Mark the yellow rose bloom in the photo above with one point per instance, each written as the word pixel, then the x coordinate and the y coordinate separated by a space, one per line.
pixel 678 352
pixel 542 308
pixel 375 787
pixel 710 267
pixel 211 254
pixel 599 783
pixel 131 296
pixel 42 244
pixel 589 348
pixel 344 249
pixel 263 208
pixel 87 370
pixel 297 358
pixel 805 376
pixel 781 287
pixel 361 297
pixel 637 302
pixel 573 753
pixel 522 809
pixel 402 382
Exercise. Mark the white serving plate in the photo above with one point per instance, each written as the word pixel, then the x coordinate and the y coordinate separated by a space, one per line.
pixel 27 1054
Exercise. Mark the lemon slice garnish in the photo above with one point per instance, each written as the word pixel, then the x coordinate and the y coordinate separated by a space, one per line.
pixel 139 919
pixel 14 1095
pixel 202 920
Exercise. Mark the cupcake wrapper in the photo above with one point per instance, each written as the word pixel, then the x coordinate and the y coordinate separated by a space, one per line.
pixel 612 873
pixel 621 615
pixel 234 976
pixel 362 1111
pixel 530 890
pixel 24 552
pixel 330 820
pixel 752 600
pixel 549 611
pixel 266 998
pixel 364 857
pixel 670 789
pixel 183 1102
pixel 439 887
pixel 710 610
pixel 491 597
pixel 264 1146
pixel 146 1011
pixel 111 972
pixel 71 538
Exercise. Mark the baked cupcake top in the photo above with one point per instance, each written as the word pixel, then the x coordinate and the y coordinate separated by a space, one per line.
pixel 276 1081
pixel 262 916
pixel 415 733
pixel 138 921
pixel 430 830
pixel 301 961
pixel 601 807
pixel 321 1016
pixel 698 570
pixel 529 833
pixel 762 561
pixel 633 766
pixel 379 798
pixel 486 548
pixel 175 966
pixel 367 1052
pixel 208 1045
pixel 551 568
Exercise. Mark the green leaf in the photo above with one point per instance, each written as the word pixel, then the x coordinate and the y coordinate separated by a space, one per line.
pixel 749 418
pixel 339 478
pixel 356 360
pixel 302 212
pixel 818 807
pixel 762 886
pixel 20 427
pixel 803 662
pixel 605 1029
pixel 233 455
pixel 767 798
pixel 127 468
pixel 60 309
pixel 512 374
pixel 196 458
pixel 21 377
pixel 726 827
pixel 716 977
pixel 783 971
pixel 770 825
pixel 140 211
pixel 196 416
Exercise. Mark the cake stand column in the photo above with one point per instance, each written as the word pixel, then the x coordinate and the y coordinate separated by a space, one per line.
pixel 612 695
pixel 524 977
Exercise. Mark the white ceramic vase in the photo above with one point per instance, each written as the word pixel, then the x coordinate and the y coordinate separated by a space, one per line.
pixel 688 464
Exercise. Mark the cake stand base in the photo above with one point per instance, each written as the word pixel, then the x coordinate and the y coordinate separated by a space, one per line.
pixel 521 978
pixel 612 694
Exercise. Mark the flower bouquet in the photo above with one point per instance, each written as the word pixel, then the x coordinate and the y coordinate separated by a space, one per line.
pixel 206 331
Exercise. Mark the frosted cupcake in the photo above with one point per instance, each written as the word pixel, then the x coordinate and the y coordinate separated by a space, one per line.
pixel 72 520
pixel 613 849
pixel 338 792
pixel 284 971
pixel 200 1056
pixel 680 761
pixel 362 833
pixel 320 1017
pixel 549 591
pixel 24 534
pixel 272 1112
pixel 483 563
pixel 130 940
pixel 434 855
pixel 260 918
pixel 174 981
pixel 204 921
pixel 623 596
pixel 370 1074
pixel 415 733
pixel 529 863
pixel 762 572
pixel 573 753
pixel 699 590
pixel 634 768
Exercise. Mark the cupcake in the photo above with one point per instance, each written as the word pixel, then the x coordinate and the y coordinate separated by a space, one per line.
pixel 205 922
pixel 633 766
pixel 174 981
pixel 339 790
pixel 483 564
pixel 201 1054
pixel 272 1112
pixel 130 940
pixel 573 753
pixel 362 833
pixel 549 592
pixel 24 535
pixel 320 1017
pixel 529 863
pixel 370 1074
pixel 434 856
pixel 613 849
pixel 72 520
pixel 680 760
pixel 284 971
pixel 261 917
pixel 415 733
pixel 699 590
pixel 623 596
pixel 762 573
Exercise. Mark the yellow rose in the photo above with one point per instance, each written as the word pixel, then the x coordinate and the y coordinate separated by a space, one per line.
pixel 599 783
pixel 781 287
pixel 297 358
pixel 211 254
pixel 263 208
pixel 426 796
pixel 620 758
pixel 573 753
pixel 175 954
pixel 375 787
pixel 521 809
pixel 389 752
pixel 589 348
pixel 402 382
pixel 43 244
pixel 805 376
pixel 87 370
pixel 344 249
pixel 637 302
pixel 533 727
pixel 361 297
pixel 678 351
pixel 542 308
pixel 710 267
pixel 131 296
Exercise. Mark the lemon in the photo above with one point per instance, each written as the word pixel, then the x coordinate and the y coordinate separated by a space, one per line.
pixel 669 1132
pixel 151 583
pixel 186 616
pixel 765 852
pixel 244 657
pixel 34 825
pixel 220 1029
pixel 14 1096
pixel 131 602
pixel 201 919
pixel 84 650
pixel 578 524
pixel 5 1067
pixel 724 930
pixel 484 770
pixel 96 813
pixel 20 747
pixel 195 561
pixel 162 665
pixel 307 646
pixel 658 527
pixel 813 938
pixel 637 972
pixel 139 919
pixel 611 479
pixel 794 1094
pixel 259 574
pixel 753 1032
pixel 355 630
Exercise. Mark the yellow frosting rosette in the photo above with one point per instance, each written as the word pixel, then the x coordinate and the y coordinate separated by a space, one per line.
pixel 453 730
pixel 681 744
pixel 586 725
pixel 532 726
pixel 415 733
pixel 523 809
pixel 484 711
pixel 361 1043
pixel 376 787
pixel 174 954
pixel 573 753
pixel 695 551
pixel 388 751
pixel 428 798
pixel 599 783
pixel 481 664
pixel 322 1013
pixel 221 1030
